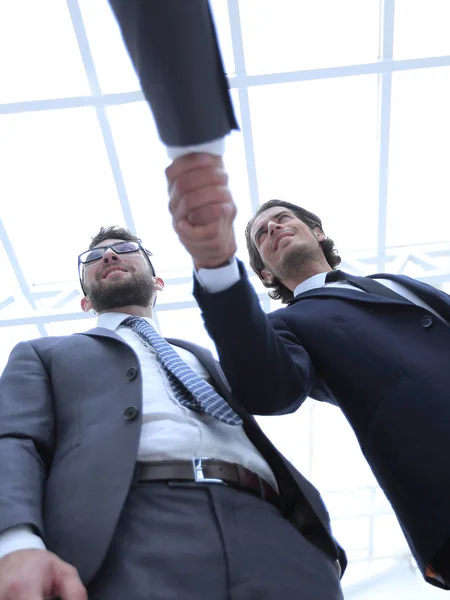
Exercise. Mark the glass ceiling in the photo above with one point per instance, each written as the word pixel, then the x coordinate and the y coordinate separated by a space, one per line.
pixel 343 107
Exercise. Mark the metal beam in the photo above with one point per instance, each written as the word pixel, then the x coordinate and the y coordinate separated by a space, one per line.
pixel 14 261
pixel 235 82
pixel 388 66
pixel 94 100
pixel 244 102
pixel 52 316
pixel 384 122
pixel 94 84
pixel 20 276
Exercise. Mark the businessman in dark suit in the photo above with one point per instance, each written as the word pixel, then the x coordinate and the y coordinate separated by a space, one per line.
pixel 378 346
pixel 128 470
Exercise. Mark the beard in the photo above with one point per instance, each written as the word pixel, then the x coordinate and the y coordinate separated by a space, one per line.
pixel 295 259
pixel 136 290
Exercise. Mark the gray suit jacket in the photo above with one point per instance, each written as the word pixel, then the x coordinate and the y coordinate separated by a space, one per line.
pixel 70 422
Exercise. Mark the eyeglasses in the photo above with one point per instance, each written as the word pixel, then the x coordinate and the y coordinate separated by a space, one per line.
pixel 90 256
pixel 119 248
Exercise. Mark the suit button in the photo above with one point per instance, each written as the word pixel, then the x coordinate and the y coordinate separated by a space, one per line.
pixel 131 412
pixel 426 321
pixel 132 373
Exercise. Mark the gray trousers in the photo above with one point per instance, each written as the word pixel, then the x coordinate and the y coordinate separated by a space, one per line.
pixel 195 542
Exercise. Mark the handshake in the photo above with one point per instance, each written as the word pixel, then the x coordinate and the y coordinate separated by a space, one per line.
pixel 202 208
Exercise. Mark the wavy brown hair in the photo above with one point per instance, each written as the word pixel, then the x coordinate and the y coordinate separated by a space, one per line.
pixel 278 290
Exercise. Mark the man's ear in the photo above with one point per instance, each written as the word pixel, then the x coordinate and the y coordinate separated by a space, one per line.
pixel 267 276
pixel 158 286
pixel 86 304
pixel 319 234
pixel 158 283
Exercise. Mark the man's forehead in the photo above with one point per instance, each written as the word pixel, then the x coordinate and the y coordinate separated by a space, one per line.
pixel 268 214
pixel 107 242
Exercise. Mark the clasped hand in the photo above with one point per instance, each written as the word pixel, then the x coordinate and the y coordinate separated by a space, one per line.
pixel 202 208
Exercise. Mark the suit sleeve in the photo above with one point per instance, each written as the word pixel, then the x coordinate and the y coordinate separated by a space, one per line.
pixel 175 52
pixel 26 438
pixel 268 369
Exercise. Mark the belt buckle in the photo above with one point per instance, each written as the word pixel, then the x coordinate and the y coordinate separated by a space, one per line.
pixel 199 476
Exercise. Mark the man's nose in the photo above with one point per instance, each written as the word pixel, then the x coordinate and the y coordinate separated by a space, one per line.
pixel 273 227
pixel 109 255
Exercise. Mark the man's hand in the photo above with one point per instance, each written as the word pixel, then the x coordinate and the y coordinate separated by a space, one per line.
pixel 202 208
pixel 37 574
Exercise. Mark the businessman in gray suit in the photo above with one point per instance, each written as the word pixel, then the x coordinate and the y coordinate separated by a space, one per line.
pixel 127 469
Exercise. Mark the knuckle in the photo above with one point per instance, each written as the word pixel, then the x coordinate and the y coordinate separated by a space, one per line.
pixel 224 193
pixel 182 184
pixel 195 199
pixel 69 570
pixel 222 177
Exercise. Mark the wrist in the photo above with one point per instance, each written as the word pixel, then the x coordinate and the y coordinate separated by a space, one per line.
pixel 199 264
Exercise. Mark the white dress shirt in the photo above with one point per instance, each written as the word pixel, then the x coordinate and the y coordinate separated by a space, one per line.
pixel 216 147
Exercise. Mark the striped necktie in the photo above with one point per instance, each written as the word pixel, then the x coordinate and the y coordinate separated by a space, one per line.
pixel 189 388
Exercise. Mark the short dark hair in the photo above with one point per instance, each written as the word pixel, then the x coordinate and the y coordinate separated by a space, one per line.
pixel 280 291
pixel 115 232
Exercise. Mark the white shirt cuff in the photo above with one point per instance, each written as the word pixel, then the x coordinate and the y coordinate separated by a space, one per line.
pixel 216 147
pixel 217 280
pixel 19 538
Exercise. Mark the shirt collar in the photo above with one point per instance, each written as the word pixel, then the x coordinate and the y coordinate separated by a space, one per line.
pixel 112 320
pixel 316 281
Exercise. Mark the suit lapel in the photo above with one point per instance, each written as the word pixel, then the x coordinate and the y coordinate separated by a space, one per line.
pixel 436 299
pixel 203 355
pixel 354 295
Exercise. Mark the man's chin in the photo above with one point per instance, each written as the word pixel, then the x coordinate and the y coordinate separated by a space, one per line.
pixel 114 293
pixel 295 257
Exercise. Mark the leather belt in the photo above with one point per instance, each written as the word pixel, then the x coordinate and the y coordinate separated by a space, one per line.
pixel 208 470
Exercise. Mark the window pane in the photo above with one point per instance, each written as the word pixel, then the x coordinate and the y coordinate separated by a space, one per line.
pixel 112 63
pixel 388 537
pixel 11 336
pixel 316 146
pixel 143 160
pixel 290 35
pixel 220 13
pixel 185 324
pixel 113 66
pixel 39 50
pixel 421 28
pixel 59 189
pixel 419 179
pixel 236 166
pixel 8 276
pixel 69 327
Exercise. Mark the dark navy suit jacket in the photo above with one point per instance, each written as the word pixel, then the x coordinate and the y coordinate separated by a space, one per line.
pixel 385 363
